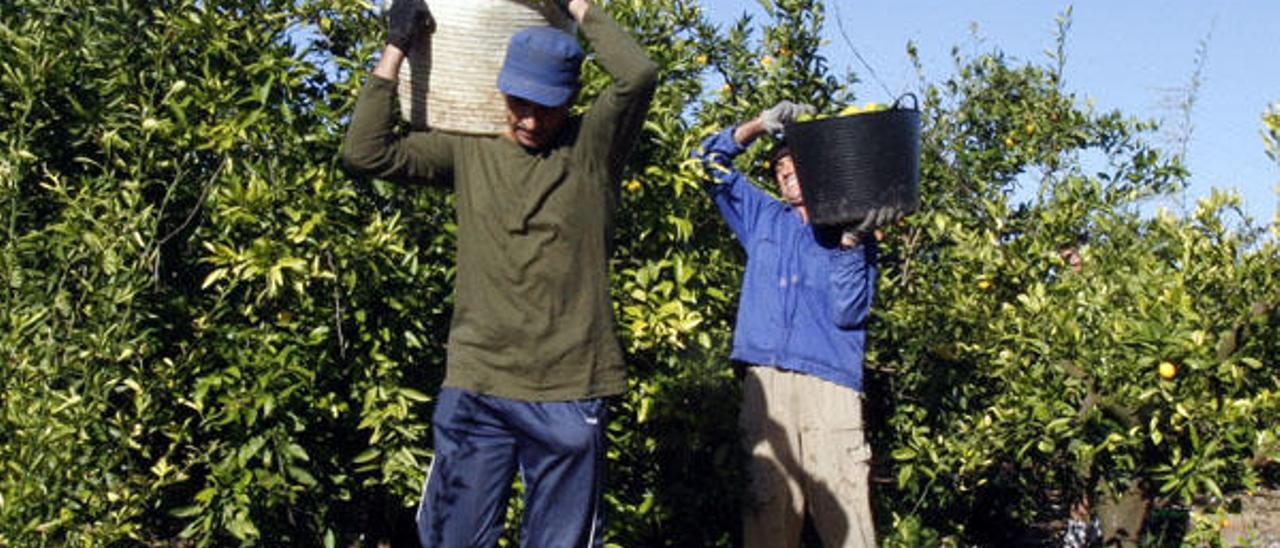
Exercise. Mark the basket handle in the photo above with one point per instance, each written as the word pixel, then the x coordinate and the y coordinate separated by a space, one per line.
pixel 915 103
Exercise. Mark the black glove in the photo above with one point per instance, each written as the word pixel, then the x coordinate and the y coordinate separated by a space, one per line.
pixel 405 20
pixel 881 216
pixel 564 6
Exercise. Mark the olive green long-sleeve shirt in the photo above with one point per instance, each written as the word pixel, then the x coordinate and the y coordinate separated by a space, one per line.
pixel 532 318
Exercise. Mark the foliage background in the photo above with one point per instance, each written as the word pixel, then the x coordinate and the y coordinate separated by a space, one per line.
pixel 210 332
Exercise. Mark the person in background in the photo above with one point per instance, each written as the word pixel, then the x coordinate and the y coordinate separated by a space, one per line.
pixel 801 330
pixel 1070 252
pixel 532 348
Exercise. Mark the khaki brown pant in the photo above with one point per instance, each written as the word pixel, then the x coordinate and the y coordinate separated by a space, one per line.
pixel 808 454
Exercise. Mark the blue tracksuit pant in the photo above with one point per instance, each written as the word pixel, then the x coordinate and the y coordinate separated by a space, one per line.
pixel 479 443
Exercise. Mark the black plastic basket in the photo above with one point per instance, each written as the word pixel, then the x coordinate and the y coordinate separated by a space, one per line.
pixel 850 165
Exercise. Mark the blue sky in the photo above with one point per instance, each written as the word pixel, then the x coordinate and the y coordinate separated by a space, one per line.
pixel 1130 55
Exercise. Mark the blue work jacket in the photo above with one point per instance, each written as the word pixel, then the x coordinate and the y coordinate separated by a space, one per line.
pixel 805 300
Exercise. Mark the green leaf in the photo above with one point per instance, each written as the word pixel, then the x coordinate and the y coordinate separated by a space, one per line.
pixel 301 475
pixel 414 395
pixel 904 454
pixel 186 511
pixel 368 455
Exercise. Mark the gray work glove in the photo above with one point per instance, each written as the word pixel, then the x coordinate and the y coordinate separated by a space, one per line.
pixel 783 113
pixel 405 20
pixel 881 216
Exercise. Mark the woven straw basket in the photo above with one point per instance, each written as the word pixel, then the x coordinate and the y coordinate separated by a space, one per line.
pixel 450 79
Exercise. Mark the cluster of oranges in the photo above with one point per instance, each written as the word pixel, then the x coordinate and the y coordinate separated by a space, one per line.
pixel 850 110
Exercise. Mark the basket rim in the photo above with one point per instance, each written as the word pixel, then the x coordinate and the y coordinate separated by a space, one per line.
pixel 857 115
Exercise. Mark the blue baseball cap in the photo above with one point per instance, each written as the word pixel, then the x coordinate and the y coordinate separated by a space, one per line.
pixel 542 65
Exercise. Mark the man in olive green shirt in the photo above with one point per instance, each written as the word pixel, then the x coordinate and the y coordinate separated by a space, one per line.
pixel 532 348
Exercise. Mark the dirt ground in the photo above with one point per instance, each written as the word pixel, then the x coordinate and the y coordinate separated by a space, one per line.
pixel 1257 524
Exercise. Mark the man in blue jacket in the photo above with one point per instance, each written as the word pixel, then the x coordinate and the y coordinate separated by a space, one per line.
pixel 801 329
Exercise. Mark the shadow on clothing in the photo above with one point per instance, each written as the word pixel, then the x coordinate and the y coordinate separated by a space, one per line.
pixel 816 495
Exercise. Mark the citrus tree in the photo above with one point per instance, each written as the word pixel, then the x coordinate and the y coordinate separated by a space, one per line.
pixel 1047 342
pixel 211 334
pixel 209 331
pixel 1271 140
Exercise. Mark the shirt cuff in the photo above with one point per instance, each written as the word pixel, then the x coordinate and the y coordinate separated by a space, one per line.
pixel 724 143
pixel 376 81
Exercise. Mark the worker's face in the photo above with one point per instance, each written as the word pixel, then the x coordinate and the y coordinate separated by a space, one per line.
pixel 784 172
pixel 532 125
pixel 1071 256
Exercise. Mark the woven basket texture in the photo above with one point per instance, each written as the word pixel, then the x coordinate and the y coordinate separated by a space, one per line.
pixel 849 165
pixel 450 79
